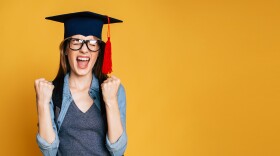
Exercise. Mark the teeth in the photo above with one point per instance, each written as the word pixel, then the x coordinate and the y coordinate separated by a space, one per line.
pixel 83 59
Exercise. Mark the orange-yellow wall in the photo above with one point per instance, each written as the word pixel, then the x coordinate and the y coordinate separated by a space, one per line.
pixel 202 77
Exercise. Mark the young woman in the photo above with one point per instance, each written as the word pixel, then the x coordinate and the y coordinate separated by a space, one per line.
pixel 83 111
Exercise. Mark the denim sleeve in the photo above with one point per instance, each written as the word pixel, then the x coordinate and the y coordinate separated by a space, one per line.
pixel 46 148
pixel 118 148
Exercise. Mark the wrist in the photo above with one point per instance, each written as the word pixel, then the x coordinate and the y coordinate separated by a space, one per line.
pixel 43 115
pixel 42 102
pixel 111 104
pixel 42 107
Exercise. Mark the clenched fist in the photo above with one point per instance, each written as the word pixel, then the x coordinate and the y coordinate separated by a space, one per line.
pixel 44 91
pixel 110 89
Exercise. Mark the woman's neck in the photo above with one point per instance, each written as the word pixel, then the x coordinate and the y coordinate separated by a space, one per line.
pixel 80 82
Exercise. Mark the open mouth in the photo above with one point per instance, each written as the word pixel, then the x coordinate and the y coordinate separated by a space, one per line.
pixel 83 61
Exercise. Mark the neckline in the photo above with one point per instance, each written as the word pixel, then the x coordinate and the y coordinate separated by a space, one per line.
pixel 77 108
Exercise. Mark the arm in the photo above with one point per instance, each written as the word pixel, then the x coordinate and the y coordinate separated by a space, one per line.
pixel 45 128
pixel 47 138
pixel 116 138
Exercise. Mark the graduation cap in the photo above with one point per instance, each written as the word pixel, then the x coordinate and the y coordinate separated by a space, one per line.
pixel 88 23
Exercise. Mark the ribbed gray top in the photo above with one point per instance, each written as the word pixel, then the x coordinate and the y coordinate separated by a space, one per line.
pixel 82 134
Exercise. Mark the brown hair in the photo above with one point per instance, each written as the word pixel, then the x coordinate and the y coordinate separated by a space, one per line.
pixel 64 68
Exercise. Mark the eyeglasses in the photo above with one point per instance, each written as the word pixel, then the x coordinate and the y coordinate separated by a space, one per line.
pixel 77 44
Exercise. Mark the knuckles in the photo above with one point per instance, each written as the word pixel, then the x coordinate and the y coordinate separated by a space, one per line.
pixel 113 81
pixel 42 83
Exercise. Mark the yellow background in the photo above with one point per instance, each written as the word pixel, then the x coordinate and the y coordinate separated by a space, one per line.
pixel 201 77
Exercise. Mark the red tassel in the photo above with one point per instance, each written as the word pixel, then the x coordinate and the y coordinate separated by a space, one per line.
pixel 107 62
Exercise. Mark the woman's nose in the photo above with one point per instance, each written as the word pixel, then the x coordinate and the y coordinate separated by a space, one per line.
pixel 84 48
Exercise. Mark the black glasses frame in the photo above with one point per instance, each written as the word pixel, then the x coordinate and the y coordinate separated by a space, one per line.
pixel 84 41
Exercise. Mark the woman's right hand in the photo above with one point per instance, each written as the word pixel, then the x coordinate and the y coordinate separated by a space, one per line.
pixel 44 91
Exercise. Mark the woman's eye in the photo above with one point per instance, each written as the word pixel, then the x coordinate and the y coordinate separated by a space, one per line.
pixel 92 42
pixel 76 41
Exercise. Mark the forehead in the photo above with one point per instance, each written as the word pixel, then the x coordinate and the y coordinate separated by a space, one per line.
pixel 85 37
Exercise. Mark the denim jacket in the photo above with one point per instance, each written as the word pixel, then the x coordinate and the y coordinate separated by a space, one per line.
pixel 116 149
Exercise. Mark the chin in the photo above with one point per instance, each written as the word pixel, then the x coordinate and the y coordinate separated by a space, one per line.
pixel 82 72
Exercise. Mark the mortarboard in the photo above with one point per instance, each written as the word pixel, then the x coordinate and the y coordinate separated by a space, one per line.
pixel 88 23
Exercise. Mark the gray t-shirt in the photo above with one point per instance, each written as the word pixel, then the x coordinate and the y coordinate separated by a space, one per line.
pixel 83 134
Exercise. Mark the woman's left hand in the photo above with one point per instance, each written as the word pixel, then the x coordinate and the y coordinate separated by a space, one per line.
pixel 109 91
